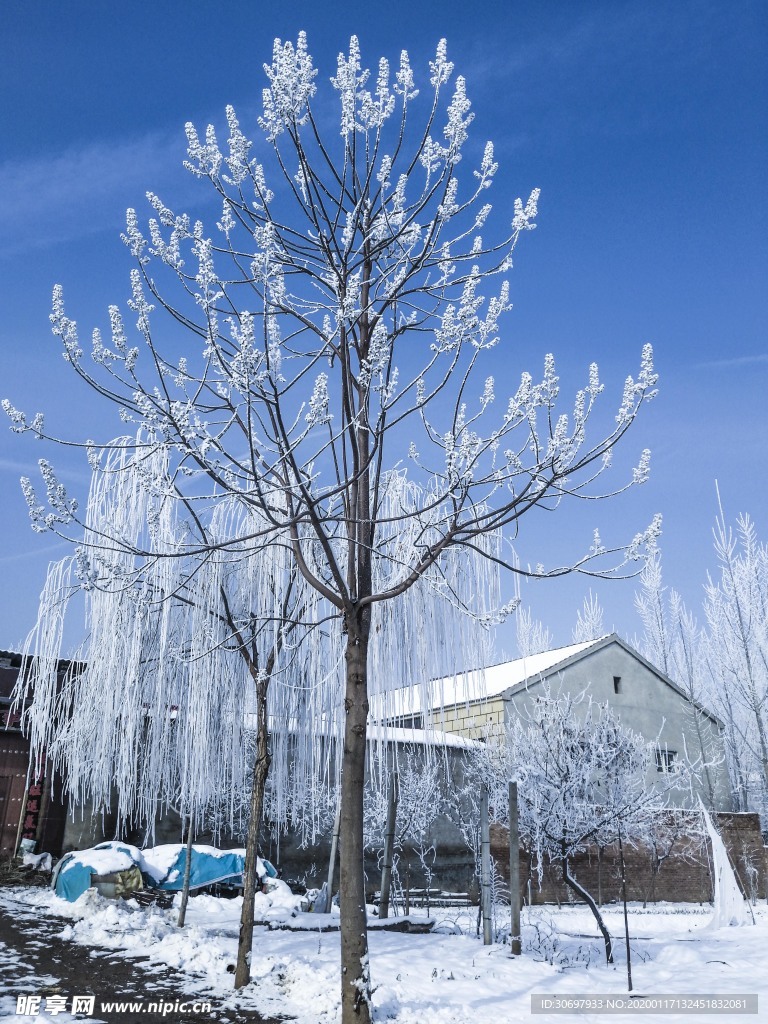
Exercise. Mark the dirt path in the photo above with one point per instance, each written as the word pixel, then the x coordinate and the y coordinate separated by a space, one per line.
pixel 36 962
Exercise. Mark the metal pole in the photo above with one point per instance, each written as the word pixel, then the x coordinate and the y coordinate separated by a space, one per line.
pixel 514 872
pixel 389 845
pixel 485 868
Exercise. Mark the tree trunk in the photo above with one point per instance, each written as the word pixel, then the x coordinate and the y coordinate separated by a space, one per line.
pixel 485 869
pixel 705 758
pixel 389 845
pixel 355 972
pixel 187 872
pixel 582 893
pixel 334 849
pixel 258 784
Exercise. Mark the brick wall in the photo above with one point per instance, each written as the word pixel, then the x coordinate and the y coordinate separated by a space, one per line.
pixel 678 871
pixel 475 720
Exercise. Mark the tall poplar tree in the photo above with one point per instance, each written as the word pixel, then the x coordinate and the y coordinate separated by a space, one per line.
pixel 332 325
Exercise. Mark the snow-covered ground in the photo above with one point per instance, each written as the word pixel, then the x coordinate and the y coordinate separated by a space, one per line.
pixel 445 977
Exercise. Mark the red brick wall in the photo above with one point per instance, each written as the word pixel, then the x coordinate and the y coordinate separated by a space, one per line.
pixel 682 872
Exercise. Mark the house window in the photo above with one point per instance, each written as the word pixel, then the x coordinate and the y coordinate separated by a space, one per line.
pixel 665 759
pixel 617 684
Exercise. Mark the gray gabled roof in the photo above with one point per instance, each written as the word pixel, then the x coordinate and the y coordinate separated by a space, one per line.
pixel 570 656
pixel 511 677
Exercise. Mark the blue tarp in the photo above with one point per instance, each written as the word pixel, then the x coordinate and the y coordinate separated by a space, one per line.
pixel 161 867
pixel 73 872
pixel 206 869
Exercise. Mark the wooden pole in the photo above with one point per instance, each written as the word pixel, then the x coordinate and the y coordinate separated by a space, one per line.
pixel 389 846
pixel 20 829
pixel 514 873
pixel 626 918
pixel 485 868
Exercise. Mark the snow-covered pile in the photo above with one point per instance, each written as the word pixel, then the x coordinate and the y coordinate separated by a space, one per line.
pixel 161 866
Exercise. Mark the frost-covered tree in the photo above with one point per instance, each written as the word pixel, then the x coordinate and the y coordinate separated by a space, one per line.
pixel 331 324
pixel 422 785
pixel 187 656
pixel 736 609
pixel 532 636
pixel 583 779
pixel 651 605
pixel 217 661
pixel 589 621
pixel 673 640
pixel 722 664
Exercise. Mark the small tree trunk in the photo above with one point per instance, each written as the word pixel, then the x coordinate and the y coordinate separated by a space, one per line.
pixel 334 850
pixel 389 843
pixel 355 971
pixel 582 893
pixel 187 872
pixel 258 784
pixel 485 869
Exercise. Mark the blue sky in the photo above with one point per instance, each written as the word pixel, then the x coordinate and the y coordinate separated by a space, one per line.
pixel 644 124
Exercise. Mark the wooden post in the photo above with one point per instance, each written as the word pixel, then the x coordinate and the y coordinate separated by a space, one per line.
pixel 20 829
pixel 485 869
pixel 389 845
pixel 626 919
pixel 514 873
pixel 600 876
pixel 334 848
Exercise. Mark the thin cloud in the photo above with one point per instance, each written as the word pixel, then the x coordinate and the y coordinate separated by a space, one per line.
pixel 31 469
pixel 628 35
pixel 59 197
pixel 14 466
pixel 49 549
pixel 55 198
pixel 734 363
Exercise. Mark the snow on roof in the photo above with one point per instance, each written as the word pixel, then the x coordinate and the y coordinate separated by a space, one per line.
pixel 378 732
pixel 480 684
pixel 427 737
pixel 512 673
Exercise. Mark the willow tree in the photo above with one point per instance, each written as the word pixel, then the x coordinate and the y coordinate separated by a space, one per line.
pixel 332 324
pixel 188 654
pixel 208 668
pixel 722 664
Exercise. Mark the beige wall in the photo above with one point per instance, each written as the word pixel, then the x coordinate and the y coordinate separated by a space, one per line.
pixel 476 720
